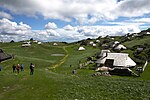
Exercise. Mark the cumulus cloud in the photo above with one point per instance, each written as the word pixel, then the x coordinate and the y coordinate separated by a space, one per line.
pixel 141 20
pixel 5 15
pixel 95 31
pixel 80 11
pixel 130 8
pixel 9 27
pixel 83 11
pixel 51 32
pixel 51 25
pixel 60 9
pixel 11 30
pixel 84 32
pixel 68 27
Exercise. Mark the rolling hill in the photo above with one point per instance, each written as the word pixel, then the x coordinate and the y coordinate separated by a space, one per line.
pixel 53 78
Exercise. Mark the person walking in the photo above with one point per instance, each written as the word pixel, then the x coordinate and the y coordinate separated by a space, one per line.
pixel 22 67
pixel 14 68
pixel 31 69
pixel 18 68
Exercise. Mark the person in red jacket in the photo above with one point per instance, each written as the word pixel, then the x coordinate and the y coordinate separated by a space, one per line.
pixel 18 68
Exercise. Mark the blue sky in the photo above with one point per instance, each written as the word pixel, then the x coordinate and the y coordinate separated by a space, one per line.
pixel 71 20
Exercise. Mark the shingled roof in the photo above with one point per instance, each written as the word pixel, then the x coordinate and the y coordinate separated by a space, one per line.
pixel 120 59
pixel 4 56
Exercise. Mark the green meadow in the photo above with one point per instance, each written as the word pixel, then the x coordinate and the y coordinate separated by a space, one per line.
pixel 53 78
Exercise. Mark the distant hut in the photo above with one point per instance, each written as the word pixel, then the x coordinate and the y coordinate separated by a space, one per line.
pixel 98 41
pixel 55 44
pixel 148 33
pixel 120 47
pixel 81 49
pixel 91 43
pixel 4 56
pixel 35 41
pixel 39 43
pixel 26 44
pixel 12 41
pixel 140 49
pixel 116 42
pixel 94 45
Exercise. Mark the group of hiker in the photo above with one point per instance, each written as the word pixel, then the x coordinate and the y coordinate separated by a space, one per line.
pixel 20 67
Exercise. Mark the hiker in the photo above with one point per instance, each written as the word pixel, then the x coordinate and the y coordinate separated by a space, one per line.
pixel 18 68
pixel 22 67
pixel 14 68
pixel 31 69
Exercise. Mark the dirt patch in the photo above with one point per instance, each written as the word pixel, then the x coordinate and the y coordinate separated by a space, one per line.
pixel 57 54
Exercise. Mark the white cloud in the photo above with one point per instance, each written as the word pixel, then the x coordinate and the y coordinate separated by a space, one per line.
pixel 95 31
pixel 141 20
pixel 130 8
pixel 5 15
pixel 126 23
pixel 83 32
pixel 84 11
pixel 9 27
pixel 51 25
pixel 51 32
pixel 68 27
pixel 11 30
pixel 60 9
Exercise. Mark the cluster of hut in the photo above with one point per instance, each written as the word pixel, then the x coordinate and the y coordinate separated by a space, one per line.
pixel 29 43
pixel 113 45
pixel 91 43
pixel 111 63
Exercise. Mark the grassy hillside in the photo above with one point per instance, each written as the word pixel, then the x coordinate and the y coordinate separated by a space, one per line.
pixel 138 41
pixel 58 83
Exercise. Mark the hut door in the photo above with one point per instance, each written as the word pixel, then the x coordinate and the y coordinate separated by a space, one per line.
pixel 109 63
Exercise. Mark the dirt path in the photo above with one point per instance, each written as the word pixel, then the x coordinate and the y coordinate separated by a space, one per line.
pixel 62 60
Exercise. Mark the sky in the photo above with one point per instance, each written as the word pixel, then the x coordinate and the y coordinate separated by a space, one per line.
pixel 71 20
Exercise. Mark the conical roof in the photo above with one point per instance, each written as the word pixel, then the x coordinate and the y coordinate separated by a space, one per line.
pixel 4 56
